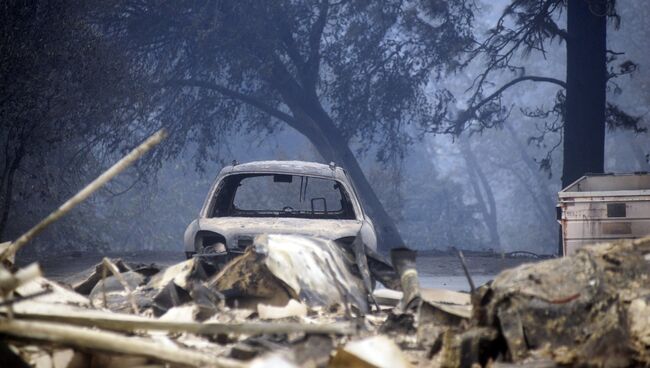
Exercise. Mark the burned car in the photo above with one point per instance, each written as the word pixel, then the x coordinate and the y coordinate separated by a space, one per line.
pixel 278 197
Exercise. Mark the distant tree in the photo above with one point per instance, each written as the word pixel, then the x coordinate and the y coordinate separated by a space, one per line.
pixel 60 84
pixel 338 72
pixel 434 211
pixel 483 193
pixel 535 183
pixel 581 112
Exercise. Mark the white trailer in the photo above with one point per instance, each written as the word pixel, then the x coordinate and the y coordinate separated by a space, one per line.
pixel 601 208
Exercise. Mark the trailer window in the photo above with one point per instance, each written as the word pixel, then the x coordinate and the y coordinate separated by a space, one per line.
pixel 616 210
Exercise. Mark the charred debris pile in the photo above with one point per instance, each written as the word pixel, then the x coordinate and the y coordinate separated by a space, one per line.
pixel 293 301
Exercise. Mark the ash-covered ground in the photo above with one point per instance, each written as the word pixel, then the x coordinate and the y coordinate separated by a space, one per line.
pixel 437 271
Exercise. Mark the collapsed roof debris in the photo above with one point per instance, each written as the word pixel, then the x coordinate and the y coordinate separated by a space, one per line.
pixel 590 309
pixel 587 309
pixel 279 268
pixel 310 289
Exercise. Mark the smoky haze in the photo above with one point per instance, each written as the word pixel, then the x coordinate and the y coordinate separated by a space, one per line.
pixel 89 98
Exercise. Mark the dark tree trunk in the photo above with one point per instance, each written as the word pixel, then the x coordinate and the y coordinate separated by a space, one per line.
pixel 584 129
pixel 387 233
pixel 315 124
pixel 312 121
pixel 318 127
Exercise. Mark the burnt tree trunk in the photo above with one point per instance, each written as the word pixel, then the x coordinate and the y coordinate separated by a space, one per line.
pixel 584 129
pixel 311 120
pixel 387 232
pixel 318 127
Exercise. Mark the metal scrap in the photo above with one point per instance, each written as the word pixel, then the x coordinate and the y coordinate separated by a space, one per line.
pixel 376 351
pixel 278 268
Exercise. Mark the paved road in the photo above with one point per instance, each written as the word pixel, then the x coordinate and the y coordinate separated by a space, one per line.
pixel 446 272
pixel 458 283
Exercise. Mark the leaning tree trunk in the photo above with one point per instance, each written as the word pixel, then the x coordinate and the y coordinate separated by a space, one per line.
pixel 584 128
pixel 321 131
pixel 387 232
pixel 311 120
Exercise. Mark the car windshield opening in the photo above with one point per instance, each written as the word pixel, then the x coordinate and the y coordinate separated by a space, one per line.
pixel 282 195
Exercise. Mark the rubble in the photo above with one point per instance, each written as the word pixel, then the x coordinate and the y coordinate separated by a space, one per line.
pixel 292 309
pixel 588 309
pixel 85 286
pixel 116 324
pixel 47 291
pixel 278 268
pixel 296 301
pixel 404 262
pixel 376 351
pixel 94 339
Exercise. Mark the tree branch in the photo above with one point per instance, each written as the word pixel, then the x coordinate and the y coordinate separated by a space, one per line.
pixel 468 113
pixel 313 62
pixel 236 96
pixel 291 48
pixel 503 43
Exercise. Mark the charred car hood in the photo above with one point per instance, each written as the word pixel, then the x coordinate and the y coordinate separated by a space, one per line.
pixel 230 227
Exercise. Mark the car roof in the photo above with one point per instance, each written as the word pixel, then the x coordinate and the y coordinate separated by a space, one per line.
pixel 287 167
